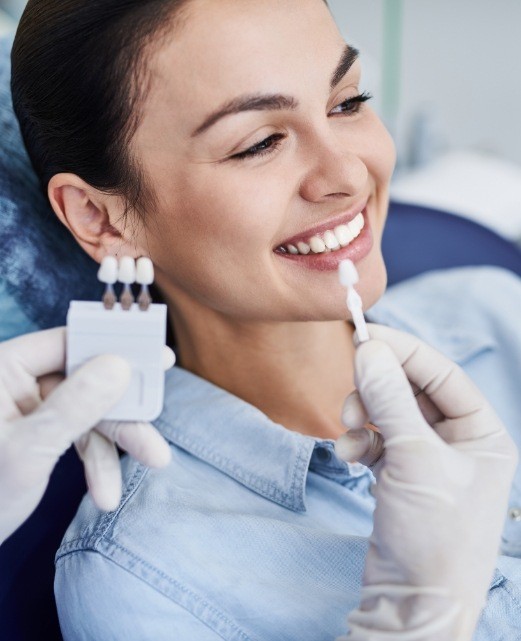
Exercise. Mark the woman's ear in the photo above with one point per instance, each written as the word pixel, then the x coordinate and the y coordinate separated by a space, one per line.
pixel 88 214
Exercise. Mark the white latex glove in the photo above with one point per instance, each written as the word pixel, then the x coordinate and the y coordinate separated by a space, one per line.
pixel 441 493
pixel 34 433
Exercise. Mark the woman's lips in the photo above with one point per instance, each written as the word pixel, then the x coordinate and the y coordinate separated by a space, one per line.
pixel 343 220
pixel 329 260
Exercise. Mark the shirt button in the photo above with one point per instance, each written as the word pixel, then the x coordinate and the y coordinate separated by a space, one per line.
pixel 323 454
pixel 515 513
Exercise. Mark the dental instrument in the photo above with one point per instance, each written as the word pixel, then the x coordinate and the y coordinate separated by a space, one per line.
pixel 136 332
pixel 348 276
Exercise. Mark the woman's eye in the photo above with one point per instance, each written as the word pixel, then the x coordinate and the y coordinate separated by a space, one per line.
pixel 262 148
pixel 352 105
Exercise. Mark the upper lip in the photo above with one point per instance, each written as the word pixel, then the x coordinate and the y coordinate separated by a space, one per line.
pixel 330 224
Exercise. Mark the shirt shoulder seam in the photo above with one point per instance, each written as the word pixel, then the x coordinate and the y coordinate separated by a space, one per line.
pixel 172 589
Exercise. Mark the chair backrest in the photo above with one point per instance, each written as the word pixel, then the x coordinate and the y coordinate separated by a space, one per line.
pixel 418 239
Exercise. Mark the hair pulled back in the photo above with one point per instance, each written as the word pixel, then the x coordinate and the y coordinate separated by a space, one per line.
pixel 78 83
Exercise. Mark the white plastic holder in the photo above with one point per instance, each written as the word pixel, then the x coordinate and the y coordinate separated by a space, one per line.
pixel 138 337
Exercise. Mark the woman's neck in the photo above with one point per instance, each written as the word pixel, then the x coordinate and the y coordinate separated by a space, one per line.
pixel 298 374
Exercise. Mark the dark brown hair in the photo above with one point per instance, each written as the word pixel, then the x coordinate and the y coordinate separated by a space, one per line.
pixel 79 78
pixel 78 81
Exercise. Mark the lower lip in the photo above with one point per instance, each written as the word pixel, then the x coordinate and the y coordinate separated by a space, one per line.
pixel 330 260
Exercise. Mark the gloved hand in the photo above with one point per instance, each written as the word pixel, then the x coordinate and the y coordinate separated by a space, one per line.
pixel 441 492
pixel 34 433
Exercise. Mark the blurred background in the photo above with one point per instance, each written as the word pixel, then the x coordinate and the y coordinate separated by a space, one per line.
pixel 445 81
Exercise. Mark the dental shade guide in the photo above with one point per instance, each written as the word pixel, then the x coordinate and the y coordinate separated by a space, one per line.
pixel 136 332
pixel 348 276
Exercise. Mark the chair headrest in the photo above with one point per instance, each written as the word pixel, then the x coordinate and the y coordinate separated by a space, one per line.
pixel 41 265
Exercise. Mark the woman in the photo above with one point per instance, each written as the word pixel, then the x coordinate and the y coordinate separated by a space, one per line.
pixel 230 142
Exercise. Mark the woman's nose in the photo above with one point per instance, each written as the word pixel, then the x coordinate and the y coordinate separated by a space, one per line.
pixel 333 173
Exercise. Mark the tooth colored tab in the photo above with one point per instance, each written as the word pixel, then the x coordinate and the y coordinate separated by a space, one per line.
pixel 144 271
pixel 348 273
pixel 108 271
pixel 127 270
pixel 317 245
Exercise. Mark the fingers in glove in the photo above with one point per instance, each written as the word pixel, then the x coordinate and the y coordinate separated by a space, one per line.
pixel 363 445
pixel 38 353
pixel 441 379
pixel 168 358
pixel 386 393
pixel 354 414
pixel 102 469
pixel 79 402
pixel 141 440
pixel 49 383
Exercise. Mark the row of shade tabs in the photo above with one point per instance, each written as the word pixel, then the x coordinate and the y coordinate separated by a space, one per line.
pixel 127 271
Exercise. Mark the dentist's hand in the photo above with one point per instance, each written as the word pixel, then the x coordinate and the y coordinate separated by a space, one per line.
pixel 41 416
pixel 441 494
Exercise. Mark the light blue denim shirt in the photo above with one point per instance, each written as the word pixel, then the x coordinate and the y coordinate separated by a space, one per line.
pixel 258 533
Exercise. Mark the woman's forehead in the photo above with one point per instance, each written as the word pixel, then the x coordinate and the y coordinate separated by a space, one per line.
pixel 239 38
pixel 232 46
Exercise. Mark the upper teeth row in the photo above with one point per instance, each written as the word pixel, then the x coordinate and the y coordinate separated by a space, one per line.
pixel 333 240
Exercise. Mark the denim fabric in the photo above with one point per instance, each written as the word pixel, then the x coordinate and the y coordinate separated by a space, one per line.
pixel 258 533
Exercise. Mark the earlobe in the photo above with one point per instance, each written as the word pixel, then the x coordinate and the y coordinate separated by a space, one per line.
pixel 85 215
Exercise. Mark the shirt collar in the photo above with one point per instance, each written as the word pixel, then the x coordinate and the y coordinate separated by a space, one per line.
pixel 236 438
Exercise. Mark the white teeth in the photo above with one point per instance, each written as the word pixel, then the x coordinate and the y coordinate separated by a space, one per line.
pixel 353 227
pixel 356 225
pixel 341 236
pixel 318 246
pixel 330 240
pixel 344 235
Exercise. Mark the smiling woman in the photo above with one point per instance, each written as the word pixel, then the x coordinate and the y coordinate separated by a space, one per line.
pixel 231 142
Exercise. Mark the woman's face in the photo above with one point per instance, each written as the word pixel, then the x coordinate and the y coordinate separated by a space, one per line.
pixel 254 140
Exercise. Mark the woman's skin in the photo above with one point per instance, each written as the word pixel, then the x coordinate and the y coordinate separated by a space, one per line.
pixel 248 318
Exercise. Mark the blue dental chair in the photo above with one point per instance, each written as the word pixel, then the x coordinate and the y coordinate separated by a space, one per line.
pixel 42 269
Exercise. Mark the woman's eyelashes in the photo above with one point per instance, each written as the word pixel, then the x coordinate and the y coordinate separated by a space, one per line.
pixel 270 144
pixel 351 105
pixel 262 148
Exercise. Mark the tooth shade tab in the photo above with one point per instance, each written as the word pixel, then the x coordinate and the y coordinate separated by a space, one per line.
pixel 348 274
pixel 127 270
pixel 108 271
pixel 144 271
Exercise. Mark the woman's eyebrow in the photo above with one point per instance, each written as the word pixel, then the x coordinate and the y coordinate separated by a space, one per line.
pixel 349 57
pixel 273 102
